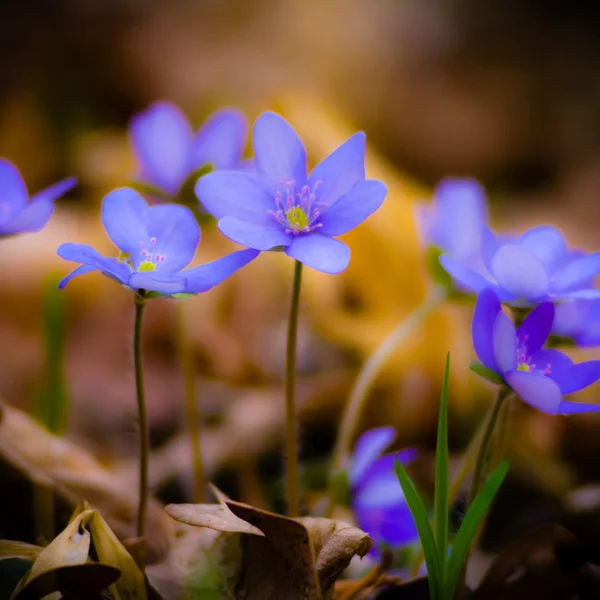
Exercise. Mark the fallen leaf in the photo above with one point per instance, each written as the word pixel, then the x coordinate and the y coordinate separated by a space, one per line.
pixel 22 550
pixel 214 516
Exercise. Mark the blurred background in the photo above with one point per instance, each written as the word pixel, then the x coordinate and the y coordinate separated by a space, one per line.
pixel 504 91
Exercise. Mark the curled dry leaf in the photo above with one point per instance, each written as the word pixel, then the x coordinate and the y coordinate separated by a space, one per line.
pixel 74 474
pixel 22 550
pixel 296 559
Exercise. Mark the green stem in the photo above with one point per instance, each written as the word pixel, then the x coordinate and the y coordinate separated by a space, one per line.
pixel 366 379
pixel 291 431
pixel 140 303
pixel 481 469
pixel 193 417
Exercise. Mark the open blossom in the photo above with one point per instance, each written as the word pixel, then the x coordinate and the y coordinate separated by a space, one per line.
pixel 377 498
pixel 538 375
pixel 578 320
pixel 280 206
pixel 453 222
pixel 155 245
pixel 529 269
pixel 18 213
pixel 168 151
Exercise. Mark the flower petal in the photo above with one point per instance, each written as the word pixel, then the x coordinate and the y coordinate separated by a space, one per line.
pixel 203 278
pixel 460 214
pixel 162 140
pixel 490 244
pixel 320 252
pixel 576 273
pixel 570 408
pixel 569 318
pixel 554 358
pixel 375 489
pixel 51 193
pixel 547 244
pixel 221 140
pixel 520 272
pixel 83 253
pixel 236 194
pixel 343 168
pixel 278 151
pixel 369 448
pixel 351 210
pixel 536 327
pixel 484 318
pixel 125 219
pixel 578 295
pixel 32 218
pixel 177 235
pixel 158 281
pixel 505 343
pixel 537 390
pixel 13 191
pixel 260 237
pixel 576 377
pixel 466 277
pixel 82 270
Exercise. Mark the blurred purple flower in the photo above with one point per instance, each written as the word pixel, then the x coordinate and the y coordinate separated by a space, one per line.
pixel 168 151
pixel 578 320
pixel 377 498
pixel 156 243
pixel 523 271
pixel 539 376
pixel 454 221
pixel 18 214
pixel 280 207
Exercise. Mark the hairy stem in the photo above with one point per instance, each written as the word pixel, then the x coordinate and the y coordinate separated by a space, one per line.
pixel 140 303
pixel 193 417
pixel 291 430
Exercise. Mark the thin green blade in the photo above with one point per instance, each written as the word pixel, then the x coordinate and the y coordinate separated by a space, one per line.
pixel 471 523
pixel 419 514
pixel 442 480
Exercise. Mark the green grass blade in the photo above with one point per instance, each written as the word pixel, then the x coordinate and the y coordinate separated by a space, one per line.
pixel 442 480
pixel 471 523
pixel 52 401
pixel 419 514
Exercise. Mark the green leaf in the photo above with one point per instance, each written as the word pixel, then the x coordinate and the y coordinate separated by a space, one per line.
pixel 436 270
pixel 442 480
pixel 51 402
pixel 417 509
pixel 486 373
pixel 470 525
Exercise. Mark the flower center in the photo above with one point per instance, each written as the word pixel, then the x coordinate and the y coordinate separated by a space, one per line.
pixel 298 212
pixel 524 359
pixel 148 259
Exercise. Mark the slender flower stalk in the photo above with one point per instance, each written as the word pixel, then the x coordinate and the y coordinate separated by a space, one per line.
pixel 291 429
pixel 193 417
pixel 140 303
pixel 368 375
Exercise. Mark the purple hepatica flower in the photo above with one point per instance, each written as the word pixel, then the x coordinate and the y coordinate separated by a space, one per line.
pixel 454 221
pixel 168 151
pixel 578 320
pixel 18 214
pixel 539 376
pixel 156 244
pixel 280 207
pixel 524 271
pixel 377 498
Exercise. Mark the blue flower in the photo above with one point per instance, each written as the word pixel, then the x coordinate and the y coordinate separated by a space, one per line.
pixel 377 498
pixel 168 151
pixel 155 243
pixel 539 376
pixel 578 320
pixel 524 271
pixel 454 221
pixel 18 214
pixel 279 206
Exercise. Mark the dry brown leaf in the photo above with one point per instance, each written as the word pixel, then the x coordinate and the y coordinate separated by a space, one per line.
pixel 15 549
pixel 335 544
pixel 75 475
